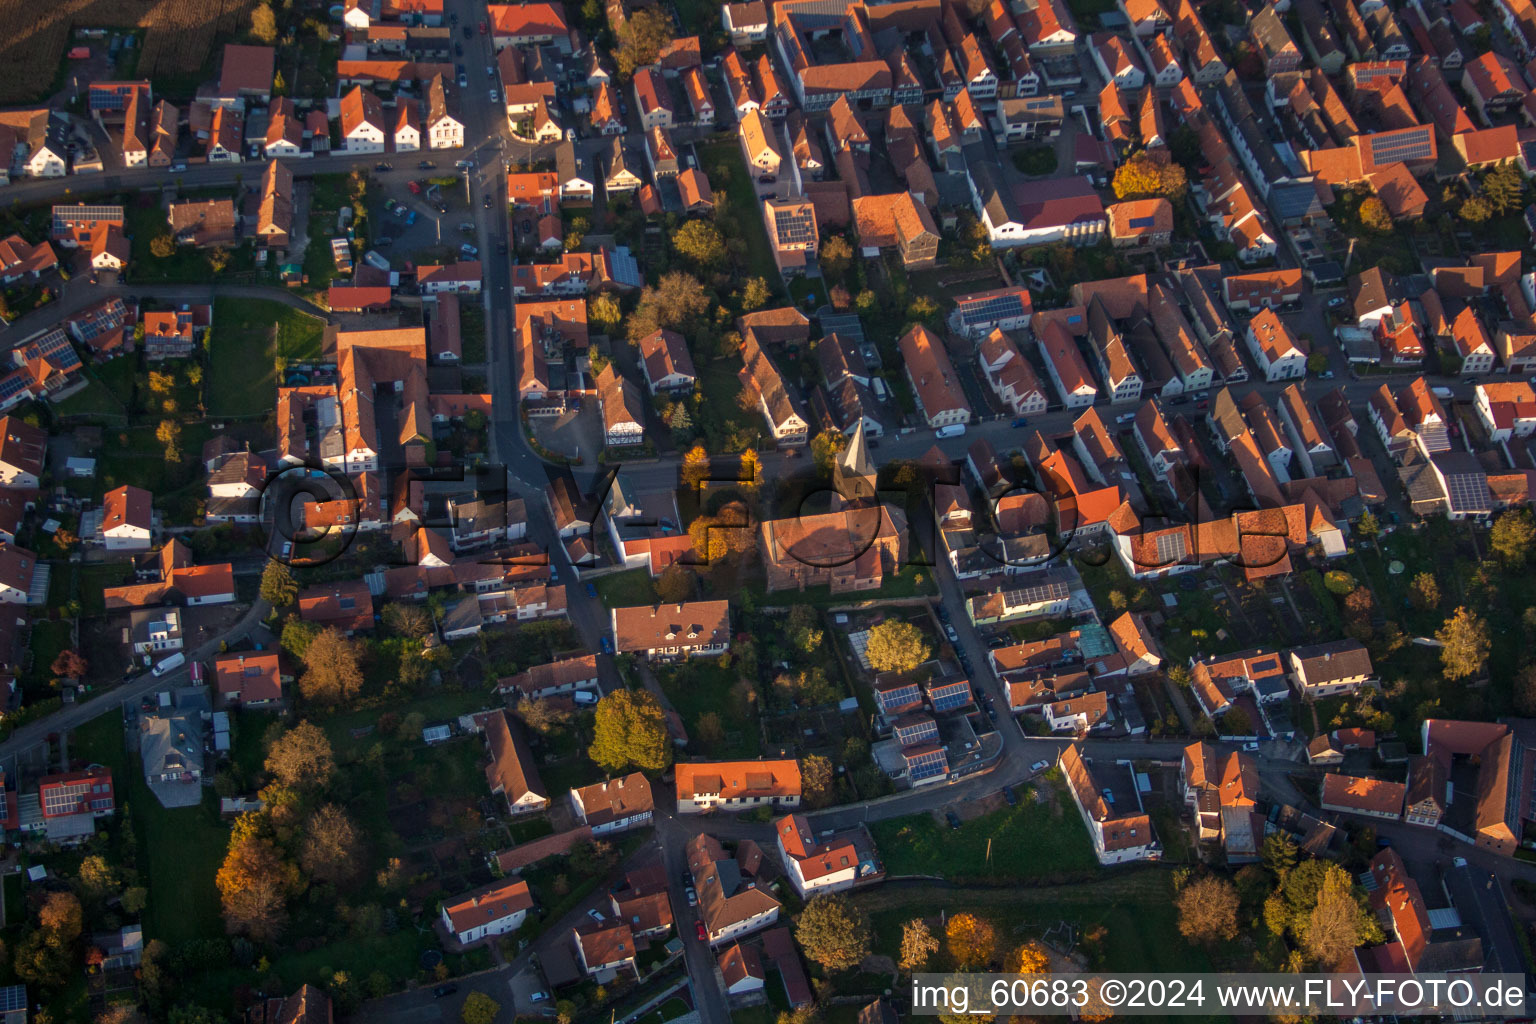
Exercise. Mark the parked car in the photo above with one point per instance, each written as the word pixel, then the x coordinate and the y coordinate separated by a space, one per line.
pixel 489 71
pixel 949 631
pixel 1336 302
pixel 178 168
pixel 594 915
pixel 445 990
pixel 698 927
pixel 458 49
pixel 1039 766
pixel 1009 797
pixel 495 96
pixel 606 644
pixel 693 896
pixel 591 589
pixel 415 188
pixel 952 818
pixel 1021 421
pixel 463 80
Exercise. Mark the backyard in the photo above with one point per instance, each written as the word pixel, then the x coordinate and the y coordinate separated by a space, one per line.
pixel 700 687
pixel 1031 842
pixel 738 216
pixel 249 341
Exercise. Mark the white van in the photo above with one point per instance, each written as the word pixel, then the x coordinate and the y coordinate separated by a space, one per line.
pixel 587 697
pixel 175 661
pixel 950 430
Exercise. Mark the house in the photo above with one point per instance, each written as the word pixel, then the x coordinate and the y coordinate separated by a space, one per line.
pixel 1273 41
pixel 494 909
pixel 1010 375
pixel 605 115
pixel 1035 212
pixel 666 363
pixel 829 863
pixel 934 383
pixel 407 131
pixel 1140 223
pixel 20 259
pixel 896 222
pixel 732 900
pixel 760 145
pixel 173 333
pixel 1375 798
pixel 792 232
pixel 251 678
pixel 667 632
pixel 512 773
pixel 622 178
pixel 782 411
pixel 605 948
pixel 22 451
pixel 1324 669
pixel 1221 792
pixel 111 250
pixel 1276 351
pixel 345 605
pixel 736 785
pixel 615 805
pixel 741 968
pixel 1136 643
pixel 363 128
pixel 444 128
pixel 205 223
pixel 1268 289
pixel 619 401
pixel 746 23
pixel 1109 801
pixel 1116 61
pixel 652 99
pixel 127 519
pixel 87 793
pixel 979 313
pixel 246 73
pixel 1506 408
pixel 171 746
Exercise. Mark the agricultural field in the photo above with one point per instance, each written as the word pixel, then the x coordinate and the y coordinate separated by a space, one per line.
pixel 180 37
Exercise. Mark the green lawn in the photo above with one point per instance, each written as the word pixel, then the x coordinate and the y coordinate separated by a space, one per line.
pixel 1029 842
pixel 249 341
pixel 180 850
pixel 49 637
pixel 94 401
pixel 626 589
pixel 700 686
pixel 670 1010
pixel 740 213
pixel 725 425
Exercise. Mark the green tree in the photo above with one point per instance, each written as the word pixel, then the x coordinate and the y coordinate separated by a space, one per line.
pixel 1375 216
pixel 1317 362
pixel 1504 188
pixel 333 673
pixel 825 447
pixel 835 256
pixel 298 635
pixel 479 1008
pixel 301 758
pixel 1334 926
pixel 1339 582
pixel 1476 210
pixel 264 24
pixel 278 587
pixel 755 294
pixel 603 309
pixel 630 728
pixel 897 646
pixel 817 780
pixel 678 302
pixel 641 38
pixel 833 932
pixel 701 243
pixel 676 584
pixel 162 246
pixel 1465 636
pixel 1280 854
pixel 1424 591
pixel 804 628
pixel 1208 910
pixel 1512 536
pixel 1367 527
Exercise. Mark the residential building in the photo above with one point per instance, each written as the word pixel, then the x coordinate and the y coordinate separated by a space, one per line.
pixel 667 632
pixel 1110 804
pixel 494 909
pixel 736 785
pixel 614 805
pixel 1325 669
pixel 512 773
pixel 934 383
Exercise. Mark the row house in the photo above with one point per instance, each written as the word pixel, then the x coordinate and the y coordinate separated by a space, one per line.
pixel 1278 353
pixel 1221 792
pixel 1010 376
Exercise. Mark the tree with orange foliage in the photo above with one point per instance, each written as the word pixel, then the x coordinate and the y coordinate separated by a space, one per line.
pixel 1030 958
pixel 972 940
pixel 254 884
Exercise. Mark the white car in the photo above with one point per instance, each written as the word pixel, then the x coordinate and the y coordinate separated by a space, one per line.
pixel 594 915
pixel 495 96
pixel 1039 766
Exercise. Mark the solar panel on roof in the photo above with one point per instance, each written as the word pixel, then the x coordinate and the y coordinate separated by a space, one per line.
pixel 1170 548
pixel 1001 307
pixel 13 997
pixel 1468 492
